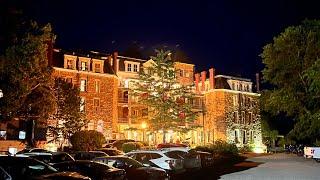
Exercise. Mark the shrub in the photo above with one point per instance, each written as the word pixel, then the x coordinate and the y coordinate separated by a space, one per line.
pixel 220 147
pixel 130 146
pixel 87 140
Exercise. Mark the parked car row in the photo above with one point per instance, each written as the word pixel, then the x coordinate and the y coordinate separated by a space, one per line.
pixel 106 163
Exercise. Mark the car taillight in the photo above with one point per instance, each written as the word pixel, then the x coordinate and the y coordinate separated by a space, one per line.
pixel 170 162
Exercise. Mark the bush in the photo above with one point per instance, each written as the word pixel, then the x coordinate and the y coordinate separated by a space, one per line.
pixel 220 148
pixel 130 146
pixel 87 140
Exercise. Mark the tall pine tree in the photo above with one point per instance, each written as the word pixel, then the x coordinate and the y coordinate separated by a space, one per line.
pixel 168 102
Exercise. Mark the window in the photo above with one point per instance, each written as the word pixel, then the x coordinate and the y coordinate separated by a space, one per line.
pixel 181 73
pixel 135 112
pixel 135 68
pixel 187 74
pixel 129 68
pixel 250 117
pixel 251 136
pixel 97 86
pixel 90 125
pixel 69 64
pixel 96 104
pixel 84 66
pixel 145 112
pixel 236 117
pixel 235 100
pixel 83 85
pixel 82 104
pixel 97 67
pixel 236 136
pixel 242 117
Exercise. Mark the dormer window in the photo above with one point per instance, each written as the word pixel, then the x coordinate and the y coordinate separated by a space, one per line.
pixel 135 68
pixel 129 68
pixel 84 66
pixel 97 68
pixel 69 64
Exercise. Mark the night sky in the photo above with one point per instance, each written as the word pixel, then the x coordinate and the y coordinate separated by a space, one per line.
pixel 227 35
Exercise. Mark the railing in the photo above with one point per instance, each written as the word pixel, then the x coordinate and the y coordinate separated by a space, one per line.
pixel 123 100
pixel 123 120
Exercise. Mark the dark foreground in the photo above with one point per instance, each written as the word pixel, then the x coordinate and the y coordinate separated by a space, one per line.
pixel 223 165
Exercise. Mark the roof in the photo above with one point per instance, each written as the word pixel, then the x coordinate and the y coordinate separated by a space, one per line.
pixel 58 59
pixel 122 59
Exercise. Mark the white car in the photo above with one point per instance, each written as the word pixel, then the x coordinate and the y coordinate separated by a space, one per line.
pixel 158 158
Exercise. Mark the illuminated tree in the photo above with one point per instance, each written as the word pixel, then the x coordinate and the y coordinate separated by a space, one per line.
pixel 68 118
pixel 168 102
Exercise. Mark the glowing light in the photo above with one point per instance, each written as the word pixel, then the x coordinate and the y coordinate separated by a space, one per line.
pixel 258 150
pixel 144 125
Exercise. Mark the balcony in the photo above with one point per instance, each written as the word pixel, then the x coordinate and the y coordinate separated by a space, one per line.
pixel 123 100
pixel 123 120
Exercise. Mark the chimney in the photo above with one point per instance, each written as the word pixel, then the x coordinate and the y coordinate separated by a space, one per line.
pixel 203 80
pixel 258 82
pixel 115 62
pixel 197 77
pixel 211 78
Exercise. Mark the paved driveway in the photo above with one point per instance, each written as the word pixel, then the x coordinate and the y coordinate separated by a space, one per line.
pixel 280 167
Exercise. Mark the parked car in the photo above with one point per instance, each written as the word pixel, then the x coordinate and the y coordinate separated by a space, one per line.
pixel 94 170
pixel 133 168
pixel 206 159
pixel 191 160
pixel 84 155
pixel 111 151
pixel 23 167
pixel 27 150
pixel 170 145
pixel 158 158
pixel 51 158
pixel 118 143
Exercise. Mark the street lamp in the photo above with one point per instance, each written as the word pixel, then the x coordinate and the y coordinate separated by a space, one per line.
pixel 1 93
pixel 143 126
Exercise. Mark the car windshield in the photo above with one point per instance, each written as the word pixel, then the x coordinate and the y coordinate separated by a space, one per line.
pixel 25 167
pixel 176 154
pixel 56 158
pixel 133 163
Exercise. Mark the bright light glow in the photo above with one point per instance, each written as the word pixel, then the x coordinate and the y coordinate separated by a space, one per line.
pixel 144 125
pixel 170 131
pixel 258 150
pixel 1 93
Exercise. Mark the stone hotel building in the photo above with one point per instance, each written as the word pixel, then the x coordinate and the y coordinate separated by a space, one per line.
pixel 227 107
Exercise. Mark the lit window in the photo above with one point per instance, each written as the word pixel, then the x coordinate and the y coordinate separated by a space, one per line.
pixel 84 66
pixel 97 86
pixel 187 74
pixel 129 67
pixel 70 64
pixel 82 104
pixel 83 85
pixel 135 68
pixel 97 68
pixel 90 125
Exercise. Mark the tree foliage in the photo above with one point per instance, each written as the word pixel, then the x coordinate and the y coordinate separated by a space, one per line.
pixel 25 77
pixel 67 119
pixel 87 140
pixel 168 102
pixel 292 67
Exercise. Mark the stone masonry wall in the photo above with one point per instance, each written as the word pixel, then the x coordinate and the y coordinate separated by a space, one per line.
pixel 108 95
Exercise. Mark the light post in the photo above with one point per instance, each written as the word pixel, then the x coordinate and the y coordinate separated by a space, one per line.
pixel 143 126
